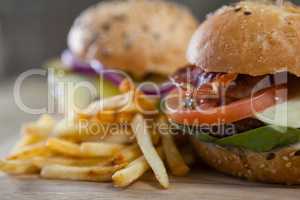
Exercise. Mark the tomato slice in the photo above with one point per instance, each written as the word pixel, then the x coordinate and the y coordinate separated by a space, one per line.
pixel 232 112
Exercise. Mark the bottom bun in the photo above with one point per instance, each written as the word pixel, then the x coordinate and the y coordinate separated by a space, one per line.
pixel 280 166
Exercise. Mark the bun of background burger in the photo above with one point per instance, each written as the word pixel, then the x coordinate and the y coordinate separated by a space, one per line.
pixel 137 36
pixel 255 39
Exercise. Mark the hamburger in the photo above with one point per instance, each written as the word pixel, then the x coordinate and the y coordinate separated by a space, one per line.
pixel 144 39
pixel 239 98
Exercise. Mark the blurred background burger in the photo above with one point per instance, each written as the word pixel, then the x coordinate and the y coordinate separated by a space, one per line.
pixel 141 39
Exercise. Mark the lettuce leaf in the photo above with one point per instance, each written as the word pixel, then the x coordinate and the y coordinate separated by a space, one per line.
pixel 261 139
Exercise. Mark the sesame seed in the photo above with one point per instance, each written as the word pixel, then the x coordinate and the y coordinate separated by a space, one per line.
pixel 247 13
pixel 120 17
pixel 273 171
pixel 288 165
pixel 156 36
pixel 105 26
pixel 238 9
pixel 285 158
pixel 145 28
pixel 262 166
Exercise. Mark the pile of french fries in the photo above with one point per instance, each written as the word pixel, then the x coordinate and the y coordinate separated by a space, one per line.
pixel 111 140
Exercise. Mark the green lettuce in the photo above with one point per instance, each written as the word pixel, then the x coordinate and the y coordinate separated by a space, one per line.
pixel 261 139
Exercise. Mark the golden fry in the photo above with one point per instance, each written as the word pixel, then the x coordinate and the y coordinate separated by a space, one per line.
pixel 155 136
pixel 67 128
pixel 173 157
pixel 94 149
pixel 132 172
pixel 35 132
pixel 81 130
pixel 26 140
pixel 31 151
pixel 112 103
pixel 18 167
pixel 126 86
pixel 64 147
pixel 124 117
pixel 128 154
pixel 122 137
pixel 99 173
pixel 43 126
pixel 145 143
pixel 43 161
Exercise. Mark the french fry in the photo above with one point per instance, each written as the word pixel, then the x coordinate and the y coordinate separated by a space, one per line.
pixel 112 103
pixel 126 86
pixel 28 139
pixel 144 141
pixel 43 126
pixel 124 117
pixel 122 137
pixel 107 116
pixel 35 132
pixel 18 167
pixel 128 154
pixel 145 104
pixel 155 136
pixel 81 130
pixel 68 128
pixel 64 147
pixel 31 151
pixel 173 157
pixel 98 174
pixel 43 161
pixel 94 149
pixel 132 172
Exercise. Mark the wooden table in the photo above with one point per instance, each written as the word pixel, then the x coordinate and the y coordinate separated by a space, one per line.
pixel 201 184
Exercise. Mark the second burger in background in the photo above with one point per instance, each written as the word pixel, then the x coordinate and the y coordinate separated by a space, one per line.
pixel 145 39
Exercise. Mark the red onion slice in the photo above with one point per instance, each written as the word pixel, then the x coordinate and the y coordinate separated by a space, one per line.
pixel 76 65
pixel 115 76
pixel 162 90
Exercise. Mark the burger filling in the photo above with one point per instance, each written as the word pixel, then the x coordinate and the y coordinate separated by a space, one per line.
pixel 236 109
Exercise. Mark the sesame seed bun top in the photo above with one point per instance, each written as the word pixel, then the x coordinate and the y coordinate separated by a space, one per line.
pixel 137 36
pixel 250 37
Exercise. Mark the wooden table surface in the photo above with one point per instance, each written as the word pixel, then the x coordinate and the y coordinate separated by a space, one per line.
pixel 201 184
